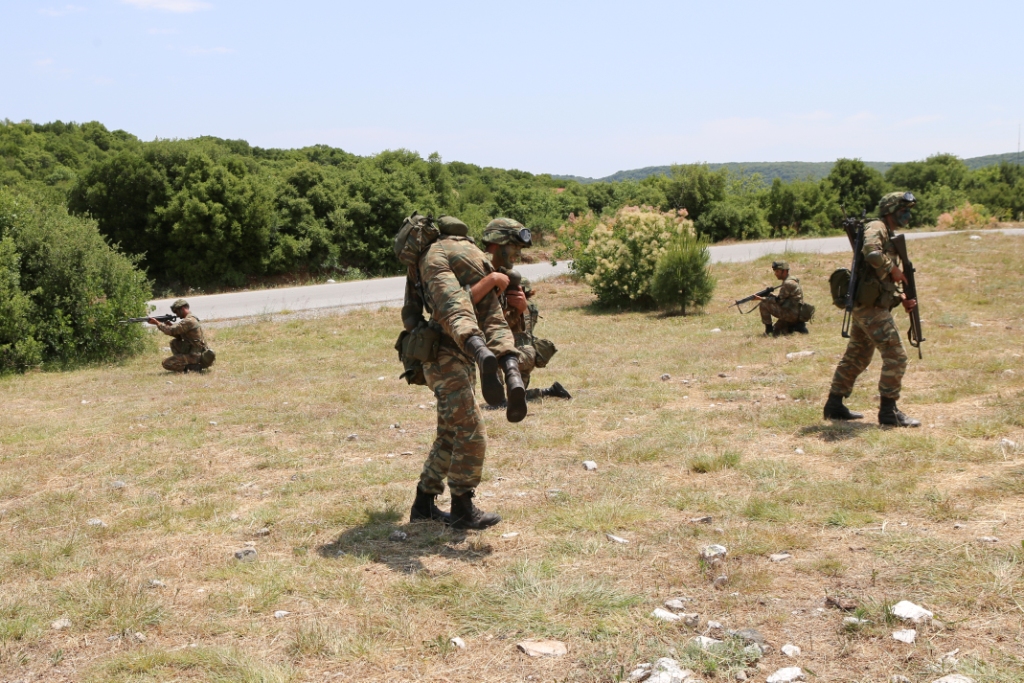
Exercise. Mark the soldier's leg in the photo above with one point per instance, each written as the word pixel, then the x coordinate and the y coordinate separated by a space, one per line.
pixel 886 337
pixel 176 363
pixel 859 352
pixel 766 311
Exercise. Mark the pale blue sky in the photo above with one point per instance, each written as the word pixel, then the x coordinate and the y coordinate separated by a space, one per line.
pixel 584 88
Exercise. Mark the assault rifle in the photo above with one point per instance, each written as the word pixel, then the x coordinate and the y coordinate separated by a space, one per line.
pixel 854 228
pixel 910 291
pixel 169 318
pixel 763 293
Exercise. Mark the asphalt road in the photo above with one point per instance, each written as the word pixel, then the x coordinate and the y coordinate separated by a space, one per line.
pixel 390 291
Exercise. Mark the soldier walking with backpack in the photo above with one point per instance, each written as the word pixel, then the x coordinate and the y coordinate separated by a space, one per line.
pixel 873 325
pixel 453 279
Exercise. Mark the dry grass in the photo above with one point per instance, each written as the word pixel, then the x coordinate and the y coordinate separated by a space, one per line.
pixel 867 513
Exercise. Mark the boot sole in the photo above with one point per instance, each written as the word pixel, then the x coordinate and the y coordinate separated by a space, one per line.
pixel 516 411
pixel 475 527
pixel 490 386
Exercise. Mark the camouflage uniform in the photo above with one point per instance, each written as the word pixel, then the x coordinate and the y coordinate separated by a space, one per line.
pixel 785 305
pixel 447 270
pixel 187 346
pixel 873 325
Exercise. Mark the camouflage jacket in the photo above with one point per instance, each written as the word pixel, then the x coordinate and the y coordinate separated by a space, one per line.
pixel 447 271
pixel 879 258
pixel 790 294
pixel 188 331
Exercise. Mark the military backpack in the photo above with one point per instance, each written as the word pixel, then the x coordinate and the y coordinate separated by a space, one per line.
pixel 839 285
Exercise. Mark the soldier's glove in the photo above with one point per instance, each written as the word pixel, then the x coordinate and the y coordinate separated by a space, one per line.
pixel 516 410
pixel 490 385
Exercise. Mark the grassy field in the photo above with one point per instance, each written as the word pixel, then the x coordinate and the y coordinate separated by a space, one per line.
pixel 181 472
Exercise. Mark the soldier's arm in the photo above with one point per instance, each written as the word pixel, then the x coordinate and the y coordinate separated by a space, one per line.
pixel 452 305
pixel 179 328
pixel 874 254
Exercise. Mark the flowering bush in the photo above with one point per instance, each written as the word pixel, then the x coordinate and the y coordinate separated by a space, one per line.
pixel 625 250
pixel 965 216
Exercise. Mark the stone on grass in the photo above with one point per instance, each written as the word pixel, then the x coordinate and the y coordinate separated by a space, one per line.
pixel 61 624
pixel 616 539
pixel 975 237
pixel 352 437
pixel 668 671
pixel 281 614
pixel 589 465
pixel 720 581
pixel 908 611
pixel 1009 373
pixel 790 650
pixel 665 615
pixel 212 423
pixel 854 621
pixel 157 583
pixel 988 539
pixel 398 535
pixel 717 329
pixel 896 678
pixel 844 604
pixel 458 643
pixel 976 325
pixel 723 375
pixel 715 625
pixel 117 484
pixel 265 531
pixel 511 534
pixel 954 678
pixel 704 643
pixel 787 675
pixel 246 555
pixel 95 521
pixel 675 604
pixel 641 673
pixel 666 377
pixel 715 551
pixel 740 676
pixel 799 354
pixel 1007 445
pixel 542 648
pixel 692 619
pixel 907 636
pixel 779 557
pixel 706 519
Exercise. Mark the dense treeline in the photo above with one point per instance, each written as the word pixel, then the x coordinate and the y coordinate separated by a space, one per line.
pixel 209 212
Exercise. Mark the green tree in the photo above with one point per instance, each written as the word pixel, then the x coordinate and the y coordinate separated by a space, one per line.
pixel 857 186
pixel 682 277
pixel 694 187
pixel 735 217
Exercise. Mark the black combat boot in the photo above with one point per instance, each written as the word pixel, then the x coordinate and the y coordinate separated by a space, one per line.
pixel 516 410
pixel 556 390
pixel 194 367
pixel 801 328
pixel 889 414
pixel 835 410
pixel 490 385
pixel 465 515
pixel 768 330
pixel 423 508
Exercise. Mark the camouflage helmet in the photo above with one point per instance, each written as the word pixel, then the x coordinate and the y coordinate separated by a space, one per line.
pixel 507 231
pixel 895 200
pixel 780 265
pixel 178 305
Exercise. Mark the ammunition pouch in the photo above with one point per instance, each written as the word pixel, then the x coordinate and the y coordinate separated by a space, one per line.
pixel 422 342
pixel 806 313
pixel 413 368
pixel 207 357
pixel 545 350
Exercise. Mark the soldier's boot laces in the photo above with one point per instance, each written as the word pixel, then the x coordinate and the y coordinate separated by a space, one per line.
pixel 768 330
pixel 465 515
pixel 556 390
pixel 889 414
pixel 835 410
pixel 516 410
pixel 490 385
pixel 423 509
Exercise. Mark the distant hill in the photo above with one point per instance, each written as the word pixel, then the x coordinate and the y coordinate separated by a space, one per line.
pixel 784 170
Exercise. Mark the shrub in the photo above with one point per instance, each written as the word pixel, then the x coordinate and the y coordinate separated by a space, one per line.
pixel 681 275
pixel 736 217
pixel 62 288
pixel 572 239
pixel 966 216
pixel 626 249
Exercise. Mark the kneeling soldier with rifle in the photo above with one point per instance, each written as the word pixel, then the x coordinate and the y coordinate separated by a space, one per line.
pixel 191 353
pixel 785 305
pixel 878 274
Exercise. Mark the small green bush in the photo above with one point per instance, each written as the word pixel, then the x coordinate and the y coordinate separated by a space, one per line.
pixel 62 288
pixel 681 276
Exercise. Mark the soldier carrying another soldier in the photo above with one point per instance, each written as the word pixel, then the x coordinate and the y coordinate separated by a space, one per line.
pixel 873 325
pixel 785 305
pixel 191 353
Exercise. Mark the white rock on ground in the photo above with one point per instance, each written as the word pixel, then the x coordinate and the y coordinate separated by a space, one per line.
pixel 458 642
pixel 665 615
pixel 692 620
pixel 897 678
pixel 675 604
pixel 589 465
pixel 157 583
pixel 706 519
pixel 908 611
pixel 1008 445
pixel 799 354
pixel 799 451
pixel 641 673
pixel 907 636
pixel 398 535
pixel 975 237
pixel 717 329
pixel 720 581
pixel 715 625
pixel 353 437
pixel 246 555
pixel 710 552
pixel 667 671
pixel 854 621
pixel 97 522
pixel 511 534
pixel 976 325
pixel 779 557
pixel 787 675
pixel 988 539
pixel 954 678
pixel 616 539
pixel 61 624
pixel 281 614
pixel 790 650
pixel 542 648
pixel 704 643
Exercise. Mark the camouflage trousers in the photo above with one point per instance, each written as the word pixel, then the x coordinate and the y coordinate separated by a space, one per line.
pixel 872 328
pixel 461 443
pixel 771 308
pixel 179 362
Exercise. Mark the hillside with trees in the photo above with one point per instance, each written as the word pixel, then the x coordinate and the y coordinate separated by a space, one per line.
pixel 211 213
